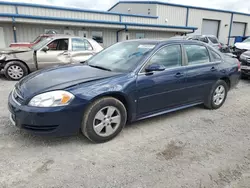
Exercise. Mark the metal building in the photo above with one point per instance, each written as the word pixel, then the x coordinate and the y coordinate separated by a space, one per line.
pixel 220 23
pixel 23 22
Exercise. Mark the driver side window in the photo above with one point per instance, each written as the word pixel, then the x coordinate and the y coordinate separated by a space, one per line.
pixel 59 45
pixel 169 56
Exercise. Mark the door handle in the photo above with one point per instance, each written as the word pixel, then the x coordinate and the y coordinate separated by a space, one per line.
pixel 213 69
pixel 66 53
pixel 179 74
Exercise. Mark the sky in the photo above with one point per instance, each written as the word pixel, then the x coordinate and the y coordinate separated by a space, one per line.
pixel 234 5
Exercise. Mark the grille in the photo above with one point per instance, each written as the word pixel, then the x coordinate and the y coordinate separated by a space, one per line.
pixel 17 97
pixel 40 128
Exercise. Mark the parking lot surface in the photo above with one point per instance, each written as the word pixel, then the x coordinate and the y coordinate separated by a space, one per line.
pixel 194 148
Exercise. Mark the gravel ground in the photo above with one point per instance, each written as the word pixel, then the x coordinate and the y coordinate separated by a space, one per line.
pixel 192 148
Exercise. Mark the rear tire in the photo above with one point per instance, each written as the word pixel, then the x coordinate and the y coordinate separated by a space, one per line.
pixel 104 119
pixel 217 95
pixel 15 70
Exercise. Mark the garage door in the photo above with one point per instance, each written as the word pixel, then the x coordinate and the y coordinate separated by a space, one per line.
pixel 238 29
pixel 210 27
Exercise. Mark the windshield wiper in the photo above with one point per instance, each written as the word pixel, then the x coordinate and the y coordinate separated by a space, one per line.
pixel 99 67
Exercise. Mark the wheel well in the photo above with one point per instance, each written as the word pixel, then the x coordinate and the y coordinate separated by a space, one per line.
pixel 227 80
pixel 124 101
pixel 20 62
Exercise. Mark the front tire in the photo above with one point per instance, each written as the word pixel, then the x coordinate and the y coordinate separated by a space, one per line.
pixel 104 119
pixel 15 70
pixel 217 95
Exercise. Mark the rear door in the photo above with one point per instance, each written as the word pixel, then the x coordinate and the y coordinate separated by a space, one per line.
pixel 81 50
pixel 162 89
pixel 56 55
pixel 201 71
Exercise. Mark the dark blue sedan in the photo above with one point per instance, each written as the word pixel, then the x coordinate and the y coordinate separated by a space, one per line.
pixel 126 82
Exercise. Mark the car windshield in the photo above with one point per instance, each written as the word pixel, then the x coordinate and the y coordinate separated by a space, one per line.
pixel 121 57
pixel 41 44
pixel 247 40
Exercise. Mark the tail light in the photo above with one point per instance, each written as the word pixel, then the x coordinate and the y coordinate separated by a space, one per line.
pixel 220 46
pixel 239 65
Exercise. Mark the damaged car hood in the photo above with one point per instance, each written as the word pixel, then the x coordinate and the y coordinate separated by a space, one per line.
pixel 14 50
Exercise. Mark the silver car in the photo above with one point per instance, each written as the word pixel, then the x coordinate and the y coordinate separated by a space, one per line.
pixel 18 62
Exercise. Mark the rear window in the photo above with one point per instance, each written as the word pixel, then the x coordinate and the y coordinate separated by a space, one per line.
pixel 213 40
pixel 196 54
pixel 215 56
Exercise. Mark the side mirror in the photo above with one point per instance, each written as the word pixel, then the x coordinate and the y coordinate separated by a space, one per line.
pixel 45 49
pixel 155 67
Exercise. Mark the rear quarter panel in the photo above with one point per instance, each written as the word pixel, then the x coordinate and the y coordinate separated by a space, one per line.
pixel 229 69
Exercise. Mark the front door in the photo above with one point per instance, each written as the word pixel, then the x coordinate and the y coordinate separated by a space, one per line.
pixel 57 54
pixel 164 89
pixel 201 71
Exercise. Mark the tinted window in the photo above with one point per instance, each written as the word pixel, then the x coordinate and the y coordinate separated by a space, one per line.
pixel 169 56
pixel 215 56
pixel 196 54
pixel 213 40
pixel 80 45
pixel 59 45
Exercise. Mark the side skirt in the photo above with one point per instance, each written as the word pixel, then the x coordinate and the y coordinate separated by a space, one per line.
pixel 167 111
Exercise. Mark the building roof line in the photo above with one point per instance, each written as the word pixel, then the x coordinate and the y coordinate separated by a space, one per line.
pixel 178 5
pixel 94 21
pixel 73 9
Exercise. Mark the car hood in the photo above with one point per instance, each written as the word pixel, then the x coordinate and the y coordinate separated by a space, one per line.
pixel 247 53
pixel 243 45
pixel 60 77
pixel 14 50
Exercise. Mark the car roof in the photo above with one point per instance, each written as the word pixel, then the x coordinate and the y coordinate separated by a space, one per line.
pixel 166 41
pixel 65 36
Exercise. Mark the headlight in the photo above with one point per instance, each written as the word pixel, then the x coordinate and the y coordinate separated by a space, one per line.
pixel 2 57
pixel 52 99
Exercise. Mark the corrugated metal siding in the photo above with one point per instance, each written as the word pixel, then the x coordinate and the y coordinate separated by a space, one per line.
pixel 151 34
pixel 158 29
pixel 196 16
pixel 63 23
pixel 136 9
pixel 4 19
pixel 175 15
pixel 28 32
pixel 66 14
pixel 138 20
pixel 109 37
pixel 8 33
pixel 7 9
pixel 243 19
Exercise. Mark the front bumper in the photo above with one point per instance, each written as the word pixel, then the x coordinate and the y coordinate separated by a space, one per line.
pixel 53 121
pixel 245 66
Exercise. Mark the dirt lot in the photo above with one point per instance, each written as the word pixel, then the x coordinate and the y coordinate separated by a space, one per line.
pixel 192 148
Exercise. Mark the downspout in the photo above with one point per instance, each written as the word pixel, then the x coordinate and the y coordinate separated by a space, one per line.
pixel 117 32
pixel 14 29
pixel 187 16
pixel 230 28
